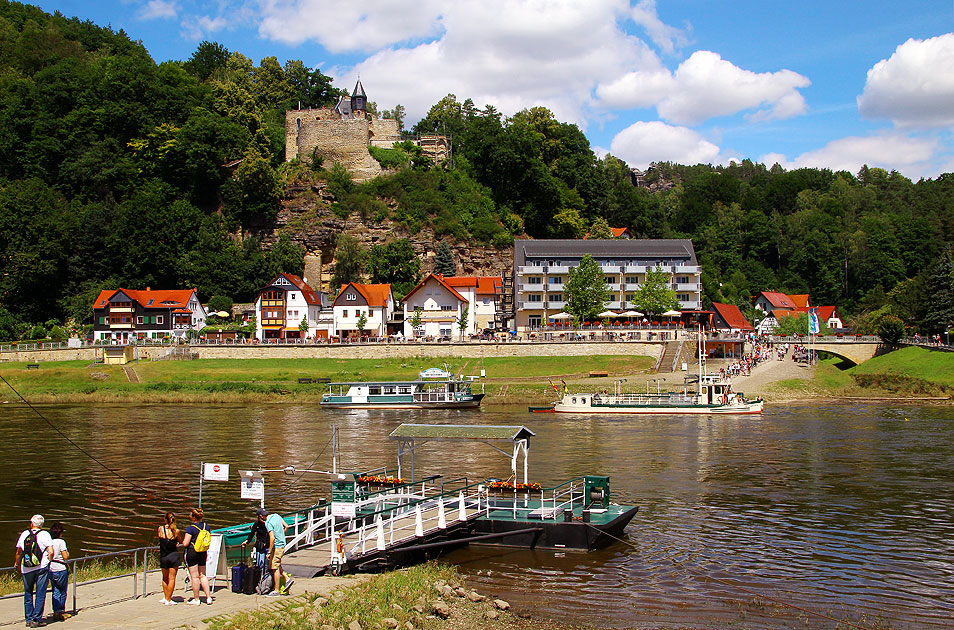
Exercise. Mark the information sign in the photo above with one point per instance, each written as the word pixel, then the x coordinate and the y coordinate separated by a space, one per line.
pixel 215 472
pixel 342 497
pixel 253 487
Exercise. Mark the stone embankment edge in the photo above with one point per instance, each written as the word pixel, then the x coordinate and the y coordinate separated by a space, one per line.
pixel 363 351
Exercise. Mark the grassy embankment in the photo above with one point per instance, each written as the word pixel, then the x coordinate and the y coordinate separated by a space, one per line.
pixel 908 372
pixel 422 596
pixel 510 379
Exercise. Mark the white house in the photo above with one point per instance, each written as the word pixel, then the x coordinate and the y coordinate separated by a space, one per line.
pixel 373 302
pixel 481 293
pixel 284 304
pixel 440 307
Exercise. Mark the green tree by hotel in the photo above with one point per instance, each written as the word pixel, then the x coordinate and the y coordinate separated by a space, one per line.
pixel 585 290
pixel 654 295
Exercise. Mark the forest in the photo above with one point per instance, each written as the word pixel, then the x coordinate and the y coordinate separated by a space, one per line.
pixel 118 171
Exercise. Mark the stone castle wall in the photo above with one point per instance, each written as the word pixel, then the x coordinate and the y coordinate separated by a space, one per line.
pixel 342 141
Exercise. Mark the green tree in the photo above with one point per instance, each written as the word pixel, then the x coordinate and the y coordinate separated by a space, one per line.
pixel 395 263
pixel 285 257
pixel 208 58
pixel 940 286
pixel 220 303
pixel 252 195
pixel 462 320
pixel 585 290
pixel 444 261
pixel 349 261
pixel 655 295
pixel 303 326
pixel 891 329
pixel 397 114
pixel 567 223
pixel 362 322
pixel 418 318
pixel 600 229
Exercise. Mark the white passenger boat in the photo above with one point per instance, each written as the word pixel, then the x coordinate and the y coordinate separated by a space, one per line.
pixel 701 394
pixel 435 389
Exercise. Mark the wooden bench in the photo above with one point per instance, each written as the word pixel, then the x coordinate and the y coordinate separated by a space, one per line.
pixel 598 373
pixel 33 366
pixel 304 381
pixel 321 380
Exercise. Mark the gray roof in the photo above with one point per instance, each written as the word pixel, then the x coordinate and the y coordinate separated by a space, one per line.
pixel 359 89
pixel 460 432
pixel 562 249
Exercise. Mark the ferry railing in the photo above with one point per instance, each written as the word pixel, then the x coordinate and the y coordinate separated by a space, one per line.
pixel 552 502
pixel 73 562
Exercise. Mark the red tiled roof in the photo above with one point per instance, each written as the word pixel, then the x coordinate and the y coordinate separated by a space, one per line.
pixel 617 232
pixel 310 295
pixel 444 283
pixel 486 285
pixel 176 298
pixel 374 294
pixel 799 300
pixel 824 312
pixel 732 316
pixel 778 300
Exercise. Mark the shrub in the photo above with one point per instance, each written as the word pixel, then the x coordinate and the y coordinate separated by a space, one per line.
pixel 890 329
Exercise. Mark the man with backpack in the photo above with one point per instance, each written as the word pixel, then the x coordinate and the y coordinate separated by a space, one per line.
pixel 33 554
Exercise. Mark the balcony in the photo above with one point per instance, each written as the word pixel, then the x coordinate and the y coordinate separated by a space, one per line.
pixel 634 269
pixel 531 305
pixel 556 306
pixel 614 305
pixel 688 269
pixel 691 286
pixel 118 326
pixel 530 270
pixel 690 306
pixel 631 287
pixel 555 287
pixel 532 288
pixel 120 309
pixel 613 287
pixel 610 268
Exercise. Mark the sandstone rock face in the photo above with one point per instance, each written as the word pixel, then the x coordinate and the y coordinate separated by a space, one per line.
pixel 307 217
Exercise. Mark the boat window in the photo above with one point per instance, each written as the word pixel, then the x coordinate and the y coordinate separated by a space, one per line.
pixel 582 401
pixel 574 401
pixel 389 390
pixel 374 391
pixel 404 389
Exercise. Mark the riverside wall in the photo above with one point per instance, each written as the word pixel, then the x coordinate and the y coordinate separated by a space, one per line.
pixel 474 350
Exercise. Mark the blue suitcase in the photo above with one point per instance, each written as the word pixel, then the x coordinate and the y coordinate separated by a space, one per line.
pixel 238 577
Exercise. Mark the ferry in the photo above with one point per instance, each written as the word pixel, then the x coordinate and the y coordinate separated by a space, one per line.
pixel 701 394
pixel 434 389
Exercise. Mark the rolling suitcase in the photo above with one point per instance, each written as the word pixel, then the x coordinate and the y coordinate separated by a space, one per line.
pixel 252 577
pixel 238 577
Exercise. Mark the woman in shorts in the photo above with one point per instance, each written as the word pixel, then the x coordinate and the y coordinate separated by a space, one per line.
pixel 195 560
pixel 168 557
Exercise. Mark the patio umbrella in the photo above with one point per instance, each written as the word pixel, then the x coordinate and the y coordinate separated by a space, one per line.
pixel 672 314
pixel 631 314
pixel 607 314
pixel 561 316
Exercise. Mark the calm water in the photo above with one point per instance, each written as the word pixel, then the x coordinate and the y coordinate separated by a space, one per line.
pixel 745 522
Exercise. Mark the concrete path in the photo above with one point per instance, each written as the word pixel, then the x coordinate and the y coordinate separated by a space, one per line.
pixel 768 372
pixel 99 608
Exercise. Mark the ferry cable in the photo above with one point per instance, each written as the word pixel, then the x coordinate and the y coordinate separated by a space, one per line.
pixel 74 444
pixel 727 583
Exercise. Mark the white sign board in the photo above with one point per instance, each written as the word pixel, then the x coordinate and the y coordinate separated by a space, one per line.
pixel 215 472
pixel 253 488
pixel 215 563
pixel 344 510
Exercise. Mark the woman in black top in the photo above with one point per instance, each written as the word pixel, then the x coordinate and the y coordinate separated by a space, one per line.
pixel 195 560
pixel 169 557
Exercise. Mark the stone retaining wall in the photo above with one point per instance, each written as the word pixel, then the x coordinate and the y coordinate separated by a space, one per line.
pixel 474 350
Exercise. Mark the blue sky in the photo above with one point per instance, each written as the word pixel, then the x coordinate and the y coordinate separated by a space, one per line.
pixel 827 84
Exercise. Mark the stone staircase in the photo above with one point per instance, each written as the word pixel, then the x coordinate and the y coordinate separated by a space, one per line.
pixel 669 357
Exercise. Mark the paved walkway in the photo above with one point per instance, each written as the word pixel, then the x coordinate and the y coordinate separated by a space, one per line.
pixel 99 608
pixel 768 372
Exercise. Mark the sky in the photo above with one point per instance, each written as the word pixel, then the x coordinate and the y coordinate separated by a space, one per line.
pixel 834 84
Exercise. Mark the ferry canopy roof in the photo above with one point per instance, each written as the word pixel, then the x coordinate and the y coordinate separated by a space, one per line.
pixel 480 433
pixel 410 436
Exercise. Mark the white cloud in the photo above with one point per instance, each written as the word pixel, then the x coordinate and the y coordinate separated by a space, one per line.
pixel 668 38
pixel 915 86
pixel 157 9
pixel 349 26
pixel 913 156
pixel 512 55
pixel 200 27
pixel 645 142
pixel 705 86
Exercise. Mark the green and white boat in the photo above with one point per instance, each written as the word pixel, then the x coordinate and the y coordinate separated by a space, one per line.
pixel 434 389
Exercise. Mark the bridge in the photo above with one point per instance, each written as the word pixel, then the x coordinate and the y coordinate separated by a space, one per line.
pixel 856 349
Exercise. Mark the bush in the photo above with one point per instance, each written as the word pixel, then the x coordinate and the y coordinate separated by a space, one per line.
pixel 890 329
pixel 391 159
pixel 38 332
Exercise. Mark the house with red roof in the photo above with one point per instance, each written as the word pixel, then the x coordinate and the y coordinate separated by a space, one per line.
pixel 778 305
pixel 372 302
pixel 729 317
pixel 439 302
pixel 125 315
pixel 286 302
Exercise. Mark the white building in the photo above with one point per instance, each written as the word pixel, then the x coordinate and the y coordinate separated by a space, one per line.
pixel 542 267
pixel 443 301
pixel 373 302
pixel 281 307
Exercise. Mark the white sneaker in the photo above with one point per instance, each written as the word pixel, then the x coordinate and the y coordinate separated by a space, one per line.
pixel 171 603
pixel 194 602
pixel 164 601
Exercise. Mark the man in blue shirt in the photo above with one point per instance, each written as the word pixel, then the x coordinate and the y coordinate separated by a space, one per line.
pixel 276 526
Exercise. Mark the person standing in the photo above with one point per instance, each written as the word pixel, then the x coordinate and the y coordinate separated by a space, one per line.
pixel 259 533
pixel 169 557
pixel 276 526
pixel 195 560
pixel 33 554
pixel 59 572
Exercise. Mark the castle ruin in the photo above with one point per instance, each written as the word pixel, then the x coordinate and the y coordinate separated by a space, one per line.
pixel 344 132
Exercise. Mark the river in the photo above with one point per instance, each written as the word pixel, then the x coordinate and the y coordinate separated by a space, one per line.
pixel 800 517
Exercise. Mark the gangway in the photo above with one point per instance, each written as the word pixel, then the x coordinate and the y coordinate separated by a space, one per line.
pixel 387 524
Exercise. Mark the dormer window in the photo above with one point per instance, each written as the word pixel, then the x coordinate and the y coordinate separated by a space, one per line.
pixel 351 297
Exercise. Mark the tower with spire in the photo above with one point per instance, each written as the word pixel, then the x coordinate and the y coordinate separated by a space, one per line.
pixel 359 100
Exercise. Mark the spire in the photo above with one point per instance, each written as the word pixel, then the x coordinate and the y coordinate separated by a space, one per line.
pixel 359 100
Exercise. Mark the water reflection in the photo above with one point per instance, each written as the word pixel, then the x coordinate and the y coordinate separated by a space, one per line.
pixel 838 510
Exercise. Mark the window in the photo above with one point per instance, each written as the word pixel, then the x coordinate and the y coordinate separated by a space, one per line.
pixel 159 319
pixel 535 297
pixel 351 296
pixel 486 300
pixel 404 389
pixel 374 391
pixel 534 280
pixel 610 279
pixel 534 321
pixel 445 332
pixel 389 389
pixel 556 280
pixel 447 307
pixel 630 296
pixel 139 319
pixel 344 313
pixel 102 319
pixel 556 297
pixel 632 280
